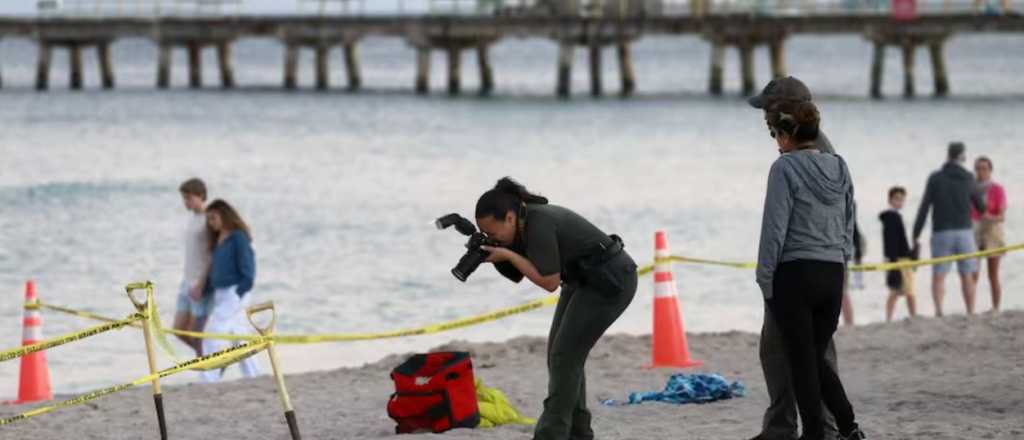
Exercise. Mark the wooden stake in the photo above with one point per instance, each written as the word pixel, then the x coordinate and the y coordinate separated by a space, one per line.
pixel 282 390
pixel 147 308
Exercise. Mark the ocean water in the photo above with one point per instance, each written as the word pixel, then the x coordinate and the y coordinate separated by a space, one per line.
pixel 341 189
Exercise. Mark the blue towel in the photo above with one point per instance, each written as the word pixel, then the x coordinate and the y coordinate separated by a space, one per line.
pixel 688 388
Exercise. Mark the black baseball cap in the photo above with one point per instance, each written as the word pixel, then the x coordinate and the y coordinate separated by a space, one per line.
pixel 787 88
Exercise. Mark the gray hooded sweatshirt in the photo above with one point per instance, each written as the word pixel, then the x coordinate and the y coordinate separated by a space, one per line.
pixel 808 213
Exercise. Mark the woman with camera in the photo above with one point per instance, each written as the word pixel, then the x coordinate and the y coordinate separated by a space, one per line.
pixel 807 238
pixel 553 246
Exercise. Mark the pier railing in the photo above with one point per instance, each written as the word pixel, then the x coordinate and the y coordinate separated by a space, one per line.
pixel 525 8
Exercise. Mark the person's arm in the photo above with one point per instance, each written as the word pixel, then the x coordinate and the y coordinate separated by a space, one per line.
pixel 196 292
pixel 978 198
pixel 246 264
pixel 922 211
pixel 778 205
pixel 525 267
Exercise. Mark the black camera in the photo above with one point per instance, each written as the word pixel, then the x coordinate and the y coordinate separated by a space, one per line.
pixel 474 255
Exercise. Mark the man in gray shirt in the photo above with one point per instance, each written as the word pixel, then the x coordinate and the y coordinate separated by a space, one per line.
pixel 949 194
pixel 780 419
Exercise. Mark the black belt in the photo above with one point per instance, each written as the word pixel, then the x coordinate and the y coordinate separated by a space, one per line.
pixel 601 254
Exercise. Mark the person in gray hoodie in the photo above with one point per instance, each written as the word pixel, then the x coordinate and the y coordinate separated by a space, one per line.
pixel 949 194
pixel 807 236
pixel 780 418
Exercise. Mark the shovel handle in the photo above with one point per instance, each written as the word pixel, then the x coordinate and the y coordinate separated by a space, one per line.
pixel 131 288
pixel 256 309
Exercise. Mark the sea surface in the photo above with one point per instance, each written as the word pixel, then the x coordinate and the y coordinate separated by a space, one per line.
pixel 341 189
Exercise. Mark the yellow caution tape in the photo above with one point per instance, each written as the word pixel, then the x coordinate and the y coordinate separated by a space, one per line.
pixel 70 311
pixel 233 353
pixel 549 300
pixel 70 337
pixel 951 258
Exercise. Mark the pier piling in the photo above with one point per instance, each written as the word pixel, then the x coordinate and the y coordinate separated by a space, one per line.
pixel 747 67
pixel 323 70
pixel 777 52
pixel 291 66
pixel 355 80
pixel 877 69
pixel 163 70
pixel 227 72
pixel 75 66
pixel 908 69
pixel 106 65
pixel 454 70
pixel 717 68
pixel 565 59
pixel 939 68
pixel 195 65
pixel 423 70
pixel 626 73
pixel 483 59
pixel 596 85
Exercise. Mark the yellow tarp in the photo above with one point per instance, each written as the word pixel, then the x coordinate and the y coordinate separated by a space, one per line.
pixel 495 409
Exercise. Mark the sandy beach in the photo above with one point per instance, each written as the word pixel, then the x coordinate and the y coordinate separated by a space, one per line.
pixel 951 378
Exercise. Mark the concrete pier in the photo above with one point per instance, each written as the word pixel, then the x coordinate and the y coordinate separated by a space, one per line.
pixel 483 59
pixel 777 52
pixel 163 70
pixel 566 53
pixel 626 73
pixel 594 30
pixel 877 69
pixel 75 66
pixel 43 66
pixel 717 68
pixel 291 66
pixel 908 69
pixel 423 70
pixel 939 68
pixel 747 68
pixel 323 69
pixel 355 80
pixel 227 71
pixel 106 65
pixel 195 65
pixel 454 70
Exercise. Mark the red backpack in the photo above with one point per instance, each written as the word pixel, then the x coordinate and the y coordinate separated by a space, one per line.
pixel 434 392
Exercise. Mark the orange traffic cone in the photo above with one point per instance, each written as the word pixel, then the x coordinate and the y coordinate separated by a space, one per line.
pixel 669 340
pixel 35 374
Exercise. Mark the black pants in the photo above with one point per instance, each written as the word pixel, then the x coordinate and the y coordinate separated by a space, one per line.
pixel 806 301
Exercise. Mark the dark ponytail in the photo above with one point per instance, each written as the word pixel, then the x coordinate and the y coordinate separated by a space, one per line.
pixel 506 196
pixel 799 119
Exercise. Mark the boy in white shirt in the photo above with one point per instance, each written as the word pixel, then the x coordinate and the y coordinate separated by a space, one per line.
pixel 192 306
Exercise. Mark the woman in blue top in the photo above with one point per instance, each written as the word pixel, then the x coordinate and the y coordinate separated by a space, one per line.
pixel 232 271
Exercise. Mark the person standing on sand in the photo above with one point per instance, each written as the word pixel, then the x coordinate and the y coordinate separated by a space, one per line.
pixel 950 192
pixel 988 227
pixel 894 241
pixel 807 236
pixel 554 247
pixel 191 309
pixel 779 422
pixel 232 274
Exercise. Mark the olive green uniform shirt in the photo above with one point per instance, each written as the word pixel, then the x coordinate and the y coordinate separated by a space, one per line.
pixel 557 236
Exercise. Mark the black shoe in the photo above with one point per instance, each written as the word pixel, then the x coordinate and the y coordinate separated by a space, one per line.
pixel 856 434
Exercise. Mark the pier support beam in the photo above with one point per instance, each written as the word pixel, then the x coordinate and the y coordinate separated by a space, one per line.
pixel 291 66
pixel 322 67
pixel 483 59
pixel 877 69
pixel 195 65
pixel 106 65
pixel 43 67
pixel 163 70
pixel 939 69
pixel 454 70
pixel 75 66
pixel 227 72
pixel 565 58
pixel 717 68
pixel 596 85
pixel 777 52
pixel 747 68
pixel 908 69
pixel 626 72
pixel 355 80
pixel 423 70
